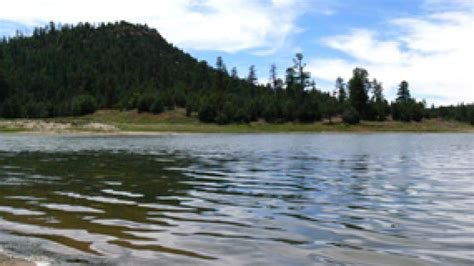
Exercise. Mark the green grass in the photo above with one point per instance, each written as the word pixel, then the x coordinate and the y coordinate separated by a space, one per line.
pixel 177 121
pixel 12 129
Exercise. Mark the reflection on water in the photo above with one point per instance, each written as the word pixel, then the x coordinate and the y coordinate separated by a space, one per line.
pixel 398 199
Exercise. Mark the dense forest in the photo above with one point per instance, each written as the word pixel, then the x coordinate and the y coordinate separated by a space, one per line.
pixel 75 70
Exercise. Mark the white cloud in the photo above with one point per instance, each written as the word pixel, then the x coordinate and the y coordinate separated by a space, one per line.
pixel 361 44
pixel 434 53
pixel 225 25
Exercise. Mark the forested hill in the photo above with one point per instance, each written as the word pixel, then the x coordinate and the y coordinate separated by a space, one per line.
pixel 75 70
pixel 113 63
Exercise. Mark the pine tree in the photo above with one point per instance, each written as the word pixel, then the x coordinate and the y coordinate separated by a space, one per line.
pixel 290 78
pixel 341 90
pixel 273 76
pixel 403 94
pixel 302 76
pixel 233 73
pixel 358 90
pixel 252 76
pixel 379 104
pixel 221 74
pixel 377 91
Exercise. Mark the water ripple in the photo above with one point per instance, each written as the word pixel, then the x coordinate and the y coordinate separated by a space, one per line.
pixel 392 199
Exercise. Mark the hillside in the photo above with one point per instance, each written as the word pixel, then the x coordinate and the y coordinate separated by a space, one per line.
pixel 74 70
pixel 114 63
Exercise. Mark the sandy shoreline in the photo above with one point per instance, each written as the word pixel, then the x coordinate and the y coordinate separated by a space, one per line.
pixel 93 128
pixel 8 260
pixel 97 134
pixel 31 127
pixel 171 133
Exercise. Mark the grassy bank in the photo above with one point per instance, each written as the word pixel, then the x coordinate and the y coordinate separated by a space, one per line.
pixel 111 121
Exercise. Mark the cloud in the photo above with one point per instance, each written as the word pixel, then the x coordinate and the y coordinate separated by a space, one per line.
pixel 433 52
pixel 362 45
pixel 223 25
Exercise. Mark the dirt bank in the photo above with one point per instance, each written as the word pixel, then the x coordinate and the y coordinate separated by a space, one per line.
pixel 39 126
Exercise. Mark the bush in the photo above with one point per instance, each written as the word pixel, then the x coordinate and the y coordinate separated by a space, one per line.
pixel 167 100
pixel 405 113
pixel 308 112
pixel 130 102
pixel 417 113
pixel 83 105
pixel 144 103
pixel 381 109
pixel 157 106
pixel 351 116
pixel 222 118
pixel 408 110
pixel 207 111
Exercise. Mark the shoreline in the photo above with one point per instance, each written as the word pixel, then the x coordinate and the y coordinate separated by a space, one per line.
pixel 174 133
pixel 10 260
pixel 133 133
pixel 95 134
pixel 116 123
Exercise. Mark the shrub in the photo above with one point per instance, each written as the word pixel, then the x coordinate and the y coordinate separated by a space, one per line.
pixel 308 112
pixel 417 113
pixel 351 116
pixel 144 103
pixel 405 113
pixel 222 118
pixel 157 106
pixel 130 102
pixel 83 105
pixel 207 111
pixel 408 110
pixel 229 111
pixel 167 100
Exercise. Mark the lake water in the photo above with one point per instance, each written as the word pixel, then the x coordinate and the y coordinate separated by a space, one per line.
pixel 392 199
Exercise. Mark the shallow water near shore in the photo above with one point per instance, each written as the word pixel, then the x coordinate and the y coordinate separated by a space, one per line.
pixel 217 199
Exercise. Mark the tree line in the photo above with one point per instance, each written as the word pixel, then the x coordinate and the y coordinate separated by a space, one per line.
pixel 71 70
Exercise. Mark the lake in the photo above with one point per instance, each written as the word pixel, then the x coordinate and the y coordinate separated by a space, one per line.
pixel 261 199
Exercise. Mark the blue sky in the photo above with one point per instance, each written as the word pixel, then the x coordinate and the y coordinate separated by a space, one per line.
pixel 426 42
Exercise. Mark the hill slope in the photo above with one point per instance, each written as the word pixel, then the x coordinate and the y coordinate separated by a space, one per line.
pixel 110 62
pixel 75 70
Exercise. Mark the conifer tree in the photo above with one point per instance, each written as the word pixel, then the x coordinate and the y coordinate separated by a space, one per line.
pixel 341 90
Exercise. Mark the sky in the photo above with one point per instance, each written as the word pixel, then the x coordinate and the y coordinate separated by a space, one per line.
pixel 426 42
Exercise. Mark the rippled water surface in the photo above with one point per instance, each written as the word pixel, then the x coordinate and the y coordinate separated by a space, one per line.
pixel 400 199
